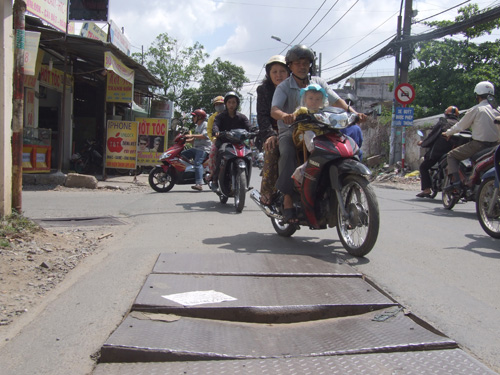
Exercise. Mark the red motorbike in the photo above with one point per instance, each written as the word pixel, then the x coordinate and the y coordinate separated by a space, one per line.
pixel 470 172
pixel 175 168
pixel 334 191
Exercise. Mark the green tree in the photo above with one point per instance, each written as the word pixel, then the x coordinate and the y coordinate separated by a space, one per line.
pixel 449 69
pixel 218 78
pixel 176 66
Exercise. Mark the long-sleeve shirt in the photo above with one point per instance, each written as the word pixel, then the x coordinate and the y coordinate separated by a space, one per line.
pixel 480 119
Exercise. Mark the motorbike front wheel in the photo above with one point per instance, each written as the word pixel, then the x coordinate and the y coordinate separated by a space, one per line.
pixel 490 222
pixel 359 231
pixel 240 189
pixel 160 180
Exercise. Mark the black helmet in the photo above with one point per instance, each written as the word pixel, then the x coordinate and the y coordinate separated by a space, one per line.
pixel 231 94
pixel 298 52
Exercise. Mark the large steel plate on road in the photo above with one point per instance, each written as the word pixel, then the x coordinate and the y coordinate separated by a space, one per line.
pixel 435 362
pixel 253 264
pixel 184 339
pixel 259 299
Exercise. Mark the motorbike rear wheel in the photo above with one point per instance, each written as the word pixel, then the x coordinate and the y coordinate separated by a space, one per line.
pixel 358 233
pixel 240 189
pixel 283 229
pixel 160 180
pixel 489 222
pixel 449 198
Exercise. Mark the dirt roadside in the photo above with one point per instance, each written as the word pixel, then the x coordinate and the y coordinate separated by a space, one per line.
pixel 35 263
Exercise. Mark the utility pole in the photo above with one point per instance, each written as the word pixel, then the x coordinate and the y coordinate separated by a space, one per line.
pixel 18 105
pixel 400 75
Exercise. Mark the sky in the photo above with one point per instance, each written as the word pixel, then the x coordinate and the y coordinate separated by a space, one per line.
pixel 344 32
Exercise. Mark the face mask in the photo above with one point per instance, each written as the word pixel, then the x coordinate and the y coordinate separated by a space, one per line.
pixel 219 108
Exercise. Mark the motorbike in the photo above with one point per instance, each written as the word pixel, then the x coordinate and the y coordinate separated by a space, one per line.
pixel 89 160
pixel 488 199
pixel 438 170
pixel 470 171
pixel 259 160
pixel 334 191
pixel 174 168
pixel 235 167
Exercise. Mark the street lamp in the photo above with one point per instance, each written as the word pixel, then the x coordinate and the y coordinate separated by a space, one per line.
pixel 277 38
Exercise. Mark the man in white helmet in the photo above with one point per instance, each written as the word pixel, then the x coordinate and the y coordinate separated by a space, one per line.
pixel 485 133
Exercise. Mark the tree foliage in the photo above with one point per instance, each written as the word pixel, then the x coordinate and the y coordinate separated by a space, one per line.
pixel 218 78
pixel 176 66
pixel 449 69
pixel 187 82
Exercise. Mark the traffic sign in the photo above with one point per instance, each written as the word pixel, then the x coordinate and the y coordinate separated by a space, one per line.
pixel 405 93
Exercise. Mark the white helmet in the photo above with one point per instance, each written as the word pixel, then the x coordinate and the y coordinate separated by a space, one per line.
pixel 484 88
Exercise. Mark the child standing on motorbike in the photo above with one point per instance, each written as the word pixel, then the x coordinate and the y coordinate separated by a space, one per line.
pixel 201 146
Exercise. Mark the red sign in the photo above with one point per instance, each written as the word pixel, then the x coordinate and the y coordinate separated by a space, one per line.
pixel 405 93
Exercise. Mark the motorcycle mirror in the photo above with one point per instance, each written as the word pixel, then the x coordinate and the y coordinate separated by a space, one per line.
pixel 493 102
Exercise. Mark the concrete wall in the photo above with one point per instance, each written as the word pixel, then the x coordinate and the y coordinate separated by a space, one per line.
pixel 6 71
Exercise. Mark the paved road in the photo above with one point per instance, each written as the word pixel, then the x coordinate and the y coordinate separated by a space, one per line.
pixel 437 263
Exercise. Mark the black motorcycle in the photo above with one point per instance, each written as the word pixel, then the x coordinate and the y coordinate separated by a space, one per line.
pixel 235 167
pixel 89 160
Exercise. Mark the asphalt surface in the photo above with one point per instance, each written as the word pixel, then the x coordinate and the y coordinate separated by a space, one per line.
pixel 437 263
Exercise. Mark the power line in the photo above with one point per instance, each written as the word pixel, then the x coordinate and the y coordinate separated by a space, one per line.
pixel 363 38
pixel 321 20
pixel 348 10
pixel 444 11
pixel 308 22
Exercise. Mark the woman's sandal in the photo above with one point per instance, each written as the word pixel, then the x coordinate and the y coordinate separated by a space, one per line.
pixel 289 216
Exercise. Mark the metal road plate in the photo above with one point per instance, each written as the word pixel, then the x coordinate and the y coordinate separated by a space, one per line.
pixel 78 222
pixel 435 362
pixel 185 339
pixel 259 299
pixel 253 264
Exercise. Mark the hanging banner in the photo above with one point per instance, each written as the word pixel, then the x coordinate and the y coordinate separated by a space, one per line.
pixel 162 108
pixel 152 138
pixel 111 62
pixel 118 90
pixel 30 52
pixel 121 144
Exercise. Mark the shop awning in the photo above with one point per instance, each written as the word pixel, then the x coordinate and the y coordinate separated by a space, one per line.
pixel 90 51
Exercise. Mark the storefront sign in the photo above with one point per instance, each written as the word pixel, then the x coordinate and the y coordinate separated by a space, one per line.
pixel 153 137
pixel 118 39
pixel 54 78
pixel 29 106
pixel 53 11
pixel 118 90
pixel 92 31
pixel 121 144
pixel 162 109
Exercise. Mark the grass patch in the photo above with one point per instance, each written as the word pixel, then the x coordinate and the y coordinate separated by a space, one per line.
pixel 15 226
